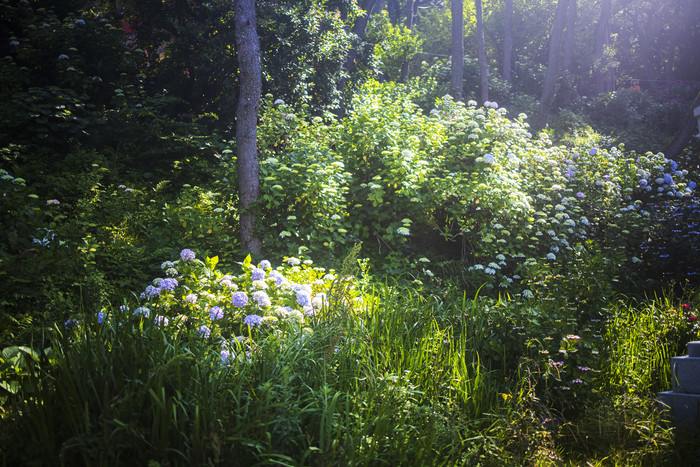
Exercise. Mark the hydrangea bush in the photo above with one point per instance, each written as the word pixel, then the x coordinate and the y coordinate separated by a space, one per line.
pixel 512 206
pixel 193 298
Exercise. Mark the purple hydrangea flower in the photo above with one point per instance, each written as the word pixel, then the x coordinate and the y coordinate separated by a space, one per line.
pixel 265 264
pixel 225 356
pixel 253 320
pixel 216 313
pixel 593 152
pixel 191 298
pixel 204 331
pixel 168 284
pixel 580 195
pixel 187 255
pixel 239 299
pixel 258 274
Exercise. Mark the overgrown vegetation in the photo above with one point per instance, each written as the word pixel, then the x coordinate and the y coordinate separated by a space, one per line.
pixel 440 286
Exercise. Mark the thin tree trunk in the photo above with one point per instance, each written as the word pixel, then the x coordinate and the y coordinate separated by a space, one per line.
pixel 483 71
pixel 602 33
pixel 405 68
pixel 359 29
pixel 508 43
pixel 457 81
pixel 248 48
pixel 570 37
pixel 550 79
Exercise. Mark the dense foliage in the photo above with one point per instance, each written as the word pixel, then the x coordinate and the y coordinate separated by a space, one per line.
pixel 479 293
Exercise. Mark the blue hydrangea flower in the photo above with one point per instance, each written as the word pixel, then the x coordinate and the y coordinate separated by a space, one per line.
pixel 692 185
pixel 258 274
pixel 239 299
pixel 225 356
pixel 303 298
pixel 204 331
pixel 168 284
pixel 191 298
pixel 142 311
pixel 265 264
pixel 593 152
pixel 580 195
pixel 216 313
pixel 668 179
pixel 151 291
pixel 253 320
pixel 187 255
pixel 278 277
pixel 489 159
pixel 261 298
pixel 100 317
pixel 551 256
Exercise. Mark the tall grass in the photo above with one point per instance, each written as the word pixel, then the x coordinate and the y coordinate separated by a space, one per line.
pixel 406 380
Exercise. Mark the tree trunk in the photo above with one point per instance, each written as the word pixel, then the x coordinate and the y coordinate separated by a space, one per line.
pixel 457 50
pixel 570 37
pixel 358 29
pixel 550 79
pixel 508 43
pixel 602 36
pixel 483 71
pixel 250 78
pixel 685 135
pixel 405 68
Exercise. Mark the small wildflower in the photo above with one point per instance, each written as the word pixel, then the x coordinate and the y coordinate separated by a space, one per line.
pixel 100 317
pixel 573 337
pixel 52 201
pixel 71 322
pixel 161 320
pixel 142 311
